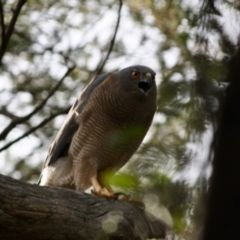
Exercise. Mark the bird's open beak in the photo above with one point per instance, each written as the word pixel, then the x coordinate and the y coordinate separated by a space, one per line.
pixel 146 83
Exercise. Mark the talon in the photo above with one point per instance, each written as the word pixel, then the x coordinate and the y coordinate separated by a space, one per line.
pixel 102 192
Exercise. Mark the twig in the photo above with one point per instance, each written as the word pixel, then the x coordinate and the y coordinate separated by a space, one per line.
pixel 53 90
pixel 10 28
pixel 33 129
pixel 103 62
pixel 2 25
pixel 6 113
pixel 20 120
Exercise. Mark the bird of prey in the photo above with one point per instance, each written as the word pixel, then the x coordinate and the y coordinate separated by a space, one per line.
pixel 103 129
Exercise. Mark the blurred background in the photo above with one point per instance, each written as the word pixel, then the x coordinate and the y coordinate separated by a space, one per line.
pixel 57 47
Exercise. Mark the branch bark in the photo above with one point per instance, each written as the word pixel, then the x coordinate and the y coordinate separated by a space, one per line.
pixel 33 212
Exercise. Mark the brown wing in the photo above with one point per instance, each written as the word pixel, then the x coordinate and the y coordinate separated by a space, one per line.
pixel 64 137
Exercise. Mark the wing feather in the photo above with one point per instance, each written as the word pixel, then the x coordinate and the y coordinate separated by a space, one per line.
pixel 61 144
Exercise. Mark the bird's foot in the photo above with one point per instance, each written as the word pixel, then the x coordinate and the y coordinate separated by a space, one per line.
pixel 99 190
pixel 103 192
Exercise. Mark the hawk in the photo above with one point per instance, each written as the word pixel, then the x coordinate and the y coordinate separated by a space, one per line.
pixel 103 129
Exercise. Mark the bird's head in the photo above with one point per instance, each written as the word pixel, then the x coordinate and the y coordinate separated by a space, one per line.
pixel 139 79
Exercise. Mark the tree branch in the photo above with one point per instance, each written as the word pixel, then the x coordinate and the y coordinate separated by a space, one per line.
pixel 34 212
pixel 103 62
pixel 20 120
pixel 53 90
pixel 33 129
pixel 10 28
pixel 5 112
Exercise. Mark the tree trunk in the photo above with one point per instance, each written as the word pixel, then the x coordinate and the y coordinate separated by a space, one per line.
pixel 33 212
pixel 223 212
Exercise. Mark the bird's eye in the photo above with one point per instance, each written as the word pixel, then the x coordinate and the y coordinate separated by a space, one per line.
pixel 135 75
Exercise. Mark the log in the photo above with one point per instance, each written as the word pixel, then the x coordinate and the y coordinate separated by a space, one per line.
pixel 29 211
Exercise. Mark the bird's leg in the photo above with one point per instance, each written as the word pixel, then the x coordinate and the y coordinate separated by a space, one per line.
pixel 116 195
pixel 108 188
pixel 108 192
pixel 104 178
pixel 98 190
